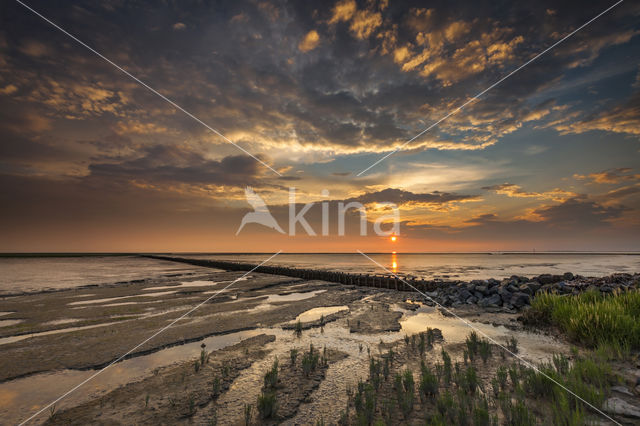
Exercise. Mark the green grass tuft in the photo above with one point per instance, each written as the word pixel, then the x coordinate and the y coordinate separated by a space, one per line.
pixel 592 318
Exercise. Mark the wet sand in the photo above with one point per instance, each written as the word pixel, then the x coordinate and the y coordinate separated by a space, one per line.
pixel 244 329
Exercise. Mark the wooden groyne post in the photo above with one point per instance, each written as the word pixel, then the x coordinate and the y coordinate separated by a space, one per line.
pixel 390 282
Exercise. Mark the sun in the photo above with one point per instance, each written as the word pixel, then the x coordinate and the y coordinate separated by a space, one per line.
pixel 393 238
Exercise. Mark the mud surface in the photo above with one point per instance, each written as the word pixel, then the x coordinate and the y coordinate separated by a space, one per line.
pixel 68 336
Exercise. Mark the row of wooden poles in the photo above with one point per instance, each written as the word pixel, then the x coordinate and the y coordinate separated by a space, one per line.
pixel 390 282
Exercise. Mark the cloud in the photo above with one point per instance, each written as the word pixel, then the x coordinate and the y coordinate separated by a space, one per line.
pixel 578 212
pixel 135 126
pixel 78 99
pixel 162 164
pixel 34 48
pixel 611 176
pixel 401 197
pixel 8 89
pixel 310 41
pixel 362 23
pixel 343 11
pixel 624 118
pixel 515 191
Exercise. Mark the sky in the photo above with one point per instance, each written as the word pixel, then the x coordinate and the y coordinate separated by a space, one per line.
pixel 318 91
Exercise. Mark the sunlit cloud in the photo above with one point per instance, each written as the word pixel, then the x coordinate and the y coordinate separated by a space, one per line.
pixel 310 41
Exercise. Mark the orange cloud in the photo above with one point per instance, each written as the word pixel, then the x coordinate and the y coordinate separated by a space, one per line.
pixel 343 11
pixel 612 176
pixel 515 191
pixel 310 41
pixel 363 22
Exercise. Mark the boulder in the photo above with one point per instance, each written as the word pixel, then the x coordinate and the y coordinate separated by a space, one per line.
pixel 492 300
pixel 548 279
pixel 520 299
pixel 465 294
pixel 622 389
pixel 530 288
pixel 621 407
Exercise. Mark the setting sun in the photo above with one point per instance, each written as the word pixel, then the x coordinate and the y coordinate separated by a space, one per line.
pixel 394 238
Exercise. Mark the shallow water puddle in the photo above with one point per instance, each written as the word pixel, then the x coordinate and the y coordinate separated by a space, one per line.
pixel 63 321
pixel 109 299
pixel 317 313
pixel 12 339
pixel 533 347
pixel 129 303
pixel 331 392
pixel 22 397
pixel 196 283
pixel 8 322
pixel 293 297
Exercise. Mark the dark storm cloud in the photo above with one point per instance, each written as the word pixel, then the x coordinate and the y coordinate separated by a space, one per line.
pixel 368 81
pixel 579 213
pixel 400 197
pixel 567 224
pixel 238 65
pixel 174 164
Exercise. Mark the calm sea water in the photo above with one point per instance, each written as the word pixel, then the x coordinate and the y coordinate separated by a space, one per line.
pixel 454 266
pixel 33 274
pixel 30 274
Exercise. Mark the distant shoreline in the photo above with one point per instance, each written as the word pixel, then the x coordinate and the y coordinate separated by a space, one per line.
pixel 492 253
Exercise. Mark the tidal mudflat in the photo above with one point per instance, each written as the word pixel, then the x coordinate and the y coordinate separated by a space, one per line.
pixel 273 349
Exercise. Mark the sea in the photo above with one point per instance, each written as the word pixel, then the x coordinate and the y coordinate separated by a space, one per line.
pixel 39 273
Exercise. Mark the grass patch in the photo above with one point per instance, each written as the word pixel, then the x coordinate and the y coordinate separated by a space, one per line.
pixel 267 404
pixel 592 318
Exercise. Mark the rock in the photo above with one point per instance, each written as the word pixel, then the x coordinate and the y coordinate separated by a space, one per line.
pixel 606 289
pixel 548 278
pixel 512 288
pixel 520 299
pixel 494 300
pixel 546 288
pixel 622 389
pixel 619 406
pixel 567 276
pixel 479 295
pixel 465 294
pixel 472 300
pixel 530 288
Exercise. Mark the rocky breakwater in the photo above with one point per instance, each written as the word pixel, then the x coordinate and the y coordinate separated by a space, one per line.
pixel 516 292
